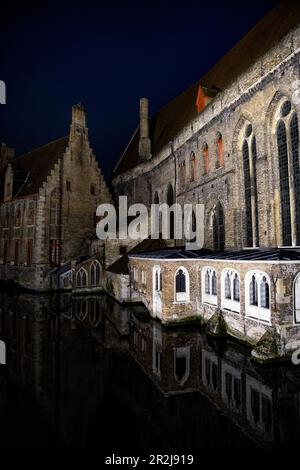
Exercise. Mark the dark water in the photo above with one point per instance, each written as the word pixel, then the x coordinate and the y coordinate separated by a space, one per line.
pixel 85 373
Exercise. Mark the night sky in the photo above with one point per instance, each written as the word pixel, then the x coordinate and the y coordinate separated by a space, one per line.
pixel 107 56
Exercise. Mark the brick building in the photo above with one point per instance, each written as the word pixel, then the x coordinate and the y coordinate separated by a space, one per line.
pixel 231 143
pixel 47 207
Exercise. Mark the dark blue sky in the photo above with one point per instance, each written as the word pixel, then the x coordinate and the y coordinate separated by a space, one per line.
pixel 107 57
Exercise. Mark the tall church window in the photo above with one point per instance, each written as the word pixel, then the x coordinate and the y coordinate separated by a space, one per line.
pixel 289 174
pixel 249 152
pixel 192 167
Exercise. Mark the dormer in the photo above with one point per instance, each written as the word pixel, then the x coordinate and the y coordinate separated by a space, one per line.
pixel 204 97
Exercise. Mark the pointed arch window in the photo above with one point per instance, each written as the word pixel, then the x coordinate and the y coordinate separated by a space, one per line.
pixel 207 282
pixel 209 285
pixel 205 159
pixel 289 173
pixel 257 296
pixel 81 278
pixel 180 281
pixel 157 279
pixel 230 290
pixel 95 273
pixel 219 142
pixel 249 152
pixel 182 285
pixel 182 172
pixel 192 167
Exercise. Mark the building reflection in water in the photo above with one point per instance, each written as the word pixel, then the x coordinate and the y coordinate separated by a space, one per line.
pixel 84 372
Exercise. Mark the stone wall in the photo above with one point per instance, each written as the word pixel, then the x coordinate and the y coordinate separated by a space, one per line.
pixel 255 98
pixel 240 325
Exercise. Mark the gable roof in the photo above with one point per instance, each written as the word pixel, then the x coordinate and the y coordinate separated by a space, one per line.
pixel 31 169
pixel 177 114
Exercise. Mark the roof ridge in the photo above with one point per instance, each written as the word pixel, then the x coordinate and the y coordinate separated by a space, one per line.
pixel 40 147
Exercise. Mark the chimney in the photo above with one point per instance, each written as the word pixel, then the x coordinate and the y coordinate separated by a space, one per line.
pixel 144 143
pixel 6 156
pixel 78 115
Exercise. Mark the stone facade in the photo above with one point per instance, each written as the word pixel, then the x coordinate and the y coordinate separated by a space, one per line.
pixel 47 220
pixel 255 98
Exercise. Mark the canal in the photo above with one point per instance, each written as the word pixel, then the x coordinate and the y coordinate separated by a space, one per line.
pixel 86 373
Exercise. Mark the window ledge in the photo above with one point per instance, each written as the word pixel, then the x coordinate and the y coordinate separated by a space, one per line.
pixel 259 320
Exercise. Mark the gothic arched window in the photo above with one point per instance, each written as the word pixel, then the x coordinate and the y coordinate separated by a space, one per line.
pixel 289 174
pixel 182 285
pixel 95 273
pixel 205 159
pixel 193 167
pixel 220 159
pixel 218 228
pixel 257 296
pixel 250 187
pixel 230 290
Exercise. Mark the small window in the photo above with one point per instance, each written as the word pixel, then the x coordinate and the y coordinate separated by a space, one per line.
pixel 144 278
pixel 220 160
pixel 205 160
pixel 180 281
pixel 8 186
pixel 93 190
pixel 68 185
pixel 209 286
pixel 257 291
pixel 253 292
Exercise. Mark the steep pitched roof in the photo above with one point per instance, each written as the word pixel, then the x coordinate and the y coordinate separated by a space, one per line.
pixel 173 117
pixel 31 169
